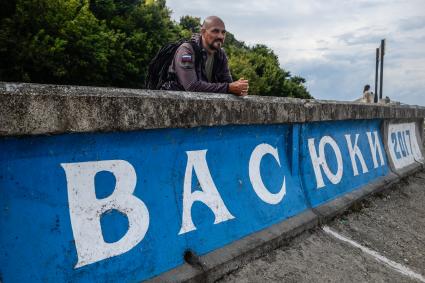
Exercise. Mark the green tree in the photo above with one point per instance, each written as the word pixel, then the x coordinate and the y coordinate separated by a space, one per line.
pixel 62 41
pixel 192 24
pixel 295 87
pixel 7 8
pixel 36 42
pixel 261 67
pixel 231 41
pixel 111 43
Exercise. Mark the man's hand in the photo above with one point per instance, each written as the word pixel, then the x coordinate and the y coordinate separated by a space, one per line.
pixel 239 87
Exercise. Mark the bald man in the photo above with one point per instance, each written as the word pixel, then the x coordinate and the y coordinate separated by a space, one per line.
pixel 201 64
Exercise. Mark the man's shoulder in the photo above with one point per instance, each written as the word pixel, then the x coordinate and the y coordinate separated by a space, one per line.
pixel 186 46
pixel 185 56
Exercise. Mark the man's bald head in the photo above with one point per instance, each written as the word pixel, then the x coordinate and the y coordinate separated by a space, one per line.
pixel 213 33
pixel 212 21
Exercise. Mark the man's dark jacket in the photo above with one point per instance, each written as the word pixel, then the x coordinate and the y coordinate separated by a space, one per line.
pixel 187 70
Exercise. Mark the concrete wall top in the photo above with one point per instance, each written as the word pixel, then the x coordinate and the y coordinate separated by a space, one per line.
pixel 34 109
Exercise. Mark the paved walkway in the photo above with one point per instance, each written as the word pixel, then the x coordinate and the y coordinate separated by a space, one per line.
pixel 387 234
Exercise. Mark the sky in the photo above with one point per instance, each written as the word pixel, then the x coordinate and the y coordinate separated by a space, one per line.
pixel 332 44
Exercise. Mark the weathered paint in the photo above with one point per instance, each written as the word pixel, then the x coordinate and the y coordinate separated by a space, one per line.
pixel 150 204
pixel 126 206
pixel 110 207
pixel 338 157
pixel 403 145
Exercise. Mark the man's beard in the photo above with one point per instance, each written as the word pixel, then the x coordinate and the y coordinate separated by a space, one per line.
pixel 213 47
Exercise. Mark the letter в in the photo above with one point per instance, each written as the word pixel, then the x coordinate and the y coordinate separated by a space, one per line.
pixel 85 209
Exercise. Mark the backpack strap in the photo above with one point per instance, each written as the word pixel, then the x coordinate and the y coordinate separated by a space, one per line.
pixel 198 55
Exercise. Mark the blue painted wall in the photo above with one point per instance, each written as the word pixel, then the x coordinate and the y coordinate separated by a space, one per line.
pixel 36 239
pixel 37 243
pixel 348 182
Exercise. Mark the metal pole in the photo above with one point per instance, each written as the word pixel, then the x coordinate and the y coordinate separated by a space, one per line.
pixel 375 99
pixel 382 67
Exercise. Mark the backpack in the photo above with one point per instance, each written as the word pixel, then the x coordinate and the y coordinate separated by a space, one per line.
pixel 158 67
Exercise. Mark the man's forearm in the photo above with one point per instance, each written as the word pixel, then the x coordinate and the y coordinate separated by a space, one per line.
pixel 201 86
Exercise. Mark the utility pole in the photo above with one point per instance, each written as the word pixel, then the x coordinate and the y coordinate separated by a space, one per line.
pixel 375 99
pixel 382 67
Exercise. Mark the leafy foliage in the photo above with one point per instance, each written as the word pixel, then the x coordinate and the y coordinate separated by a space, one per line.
pixel 261 67
pixel 111 42
pixel 192 24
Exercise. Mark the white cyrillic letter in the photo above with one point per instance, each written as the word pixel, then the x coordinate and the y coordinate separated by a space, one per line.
pixel 320 161
pixel 255 175
pixel 196 160
pixel 355 151
pixel 85 209
pixel 375 145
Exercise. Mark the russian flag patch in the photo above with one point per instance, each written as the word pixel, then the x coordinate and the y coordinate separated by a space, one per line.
pixel 186 58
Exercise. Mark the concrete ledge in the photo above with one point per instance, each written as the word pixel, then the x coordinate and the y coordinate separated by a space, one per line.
pixel 33 109
pixel 409 170
pixel 229 258
pixel 337 206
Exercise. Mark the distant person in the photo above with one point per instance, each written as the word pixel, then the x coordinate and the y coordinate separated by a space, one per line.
pixel 199 64
pixel 386 100
pixel 367 95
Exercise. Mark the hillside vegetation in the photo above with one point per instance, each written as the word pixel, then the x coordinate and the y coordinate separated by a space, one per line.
pixel 111 42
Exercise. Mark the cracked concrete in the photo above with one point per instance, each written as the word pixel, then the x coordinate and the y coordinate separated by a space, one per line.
pixel 34 109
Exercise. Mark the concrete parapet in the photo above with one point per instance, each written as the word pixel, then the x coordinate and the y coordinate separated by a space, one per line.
pixel 33 109
pixel 105 184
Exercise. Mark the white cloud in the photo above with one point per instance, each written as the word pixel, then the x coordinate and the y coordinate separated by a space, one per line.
pixel 332 43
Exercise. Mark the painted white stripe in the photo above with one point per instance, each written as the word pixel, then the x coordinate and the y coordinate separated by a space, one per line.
pixel 394 265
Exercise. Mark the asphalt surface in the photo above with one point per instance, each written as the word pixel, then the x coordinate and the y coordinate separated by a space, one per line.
pixel 391 223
